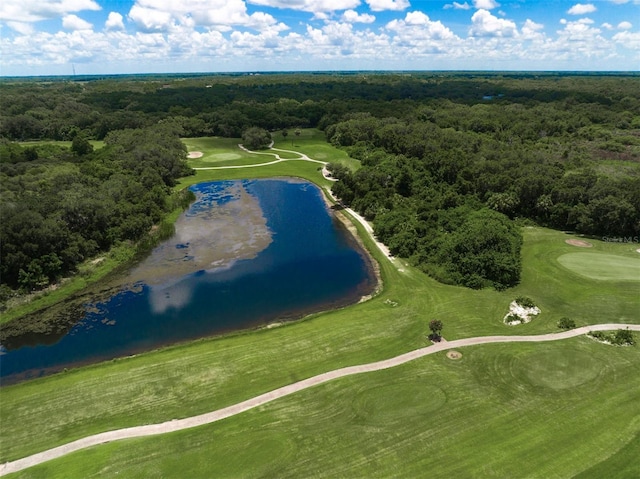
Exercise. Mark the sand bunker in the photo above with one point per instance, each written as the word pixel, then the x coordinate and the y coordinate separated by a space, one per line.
pixel 519 314
pixel 579 243
pixel 195 154
pixel 454 354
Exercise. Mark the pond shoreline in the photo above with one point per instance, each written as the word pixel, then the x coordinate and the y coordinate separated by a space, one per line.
pixel 50 325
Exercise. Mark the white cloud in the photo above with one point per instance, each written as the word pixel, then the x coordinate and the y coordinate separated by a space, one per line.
pixel 21 27
pixel 582 39
pixel 149 19
pixel 628 39
pixel 351 16
pixel 457 6
pixel 165 15
pixel 485 4
pixel 416 18
pixel 382 5
pixel 73 22
pixel 582 9
pixel 36 10
pixel 114 22
pixel 619 2
pixel 624 26
pixel 531 30
pixel 314 6
pixel 421 35
pixel 486 25
pixel 607 26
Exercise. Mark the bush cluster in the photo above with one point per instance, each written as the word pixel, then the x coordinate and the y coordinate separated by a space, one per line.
pixel 566 323
pixel 621 337
pixel 525 302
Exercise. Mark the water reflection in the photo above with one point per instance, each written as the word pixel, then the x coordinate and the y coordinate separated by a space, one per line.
pixel 247 252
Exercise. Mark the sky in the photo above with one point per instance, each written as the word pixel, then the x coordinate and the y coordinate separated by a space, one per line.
pixel 60 37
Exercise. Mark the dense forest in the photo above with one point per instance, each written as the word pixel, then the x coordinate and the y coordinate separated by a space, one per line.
pixel 61 206
pixel 451 164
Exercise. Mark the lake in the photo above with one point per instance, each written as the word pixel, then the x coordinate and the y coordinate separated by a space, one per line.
pixel 246 253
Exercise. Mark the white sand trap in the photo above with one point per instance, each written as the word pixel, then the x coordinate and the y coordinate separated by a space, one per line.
pixel 525 314
pixel 195 154
pixel 579 243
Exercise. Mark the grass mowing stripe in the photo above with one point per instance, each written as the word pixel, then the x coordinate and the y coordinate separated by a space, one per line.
pixel 603 267
pixel 623 464
pixel 482 416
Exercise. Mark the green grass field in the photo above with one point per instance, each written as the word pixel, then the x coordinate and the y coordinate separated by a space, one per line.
pixel 225 151
pixel 97 144
pixel 604 267
pixel 549 410
pixel 312 142
pixel 512 410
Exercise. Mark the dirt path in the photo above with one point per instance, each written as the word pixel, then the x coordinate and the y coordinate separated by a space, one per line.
pixel 179 424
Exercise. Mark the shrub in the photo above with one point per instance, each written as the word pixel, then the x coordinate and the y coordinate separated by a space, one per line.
pixel 513 318
pixel 566 323
pixel 525 302
pixel 598 335
pixel 623 337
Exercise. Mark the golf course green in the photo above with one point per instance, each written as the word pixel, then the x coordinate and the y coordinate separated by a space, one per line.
pixel 604 267
pixel 567 408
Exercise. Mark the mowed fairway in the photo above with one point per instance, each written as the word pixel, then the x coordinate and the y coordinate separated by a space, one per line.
pixel 519 410
pixel 604 267
pixel 510 410
pixel 220 152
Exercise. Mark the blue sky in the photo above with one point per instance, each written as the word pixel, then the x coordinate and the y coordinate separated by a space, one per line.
pixel 44 37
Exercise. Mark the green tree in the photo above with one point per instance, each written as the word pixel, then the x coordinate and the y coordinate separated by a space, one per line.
pixel 435 326
pixel 81 146
pixel 256 138
pixel 484 250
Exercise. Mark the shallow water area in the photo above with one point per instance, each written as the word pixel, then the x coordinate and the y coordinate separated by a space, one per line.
pixel 245 253
pixel 224 225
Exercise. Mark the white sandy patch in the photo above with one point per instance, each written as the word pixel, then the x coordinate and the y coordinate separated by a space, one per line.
pixel 195 154
pixel 579 243
pixel 525 313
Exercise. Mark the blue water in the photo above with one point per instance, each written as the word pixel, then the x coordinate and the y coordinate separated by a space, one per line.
pixel 310 265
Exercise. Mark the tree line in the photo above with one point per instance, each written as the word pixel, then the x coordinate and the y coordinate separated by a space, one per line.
pixel 446 197
pixel 60 206
pixel 450 163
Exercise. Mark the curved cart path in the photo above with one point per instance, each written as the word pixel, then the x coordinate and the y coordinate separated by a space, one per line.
pixel 302 157
pixel 207 418
pixel 278 159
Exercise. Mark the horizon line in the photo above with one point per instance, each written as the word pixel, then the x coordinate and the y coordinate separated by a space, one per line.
pixel 325 72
